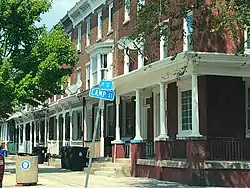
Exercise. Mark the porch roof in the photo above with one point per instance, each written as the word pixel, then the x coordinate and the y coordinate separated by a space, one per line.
pixel 203 63
pixel 159 71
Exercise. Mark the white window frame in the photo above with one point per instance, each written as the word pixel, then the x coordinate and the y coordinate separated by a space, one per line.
pixel 94 72
pixel 111 15
pixel 99 24
pixel 186 44
pixel 246 38
pixel 87 66
pixel 78 74
pixel 183 85
pixel 127 10
pixel 247 86
pixel 88 31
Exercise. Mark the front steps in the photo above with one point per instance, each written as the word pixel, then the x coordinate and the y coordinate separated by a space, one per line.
pixel 53 162
pixel 119 169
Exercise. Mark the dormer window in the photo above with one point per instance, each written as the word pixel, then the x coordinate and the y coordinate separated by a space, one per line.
pixel 111 19
pixel 99 27
pixel 88 32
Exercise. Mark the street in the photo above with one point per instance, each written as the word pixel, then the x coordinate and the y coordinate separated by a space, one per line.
pixel 54 177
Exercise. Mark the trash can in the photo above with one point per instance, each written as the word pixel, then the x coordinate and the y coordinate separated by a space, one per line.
pixel 63 150
pixel 40 152
pixel 77 158
pixel 26 169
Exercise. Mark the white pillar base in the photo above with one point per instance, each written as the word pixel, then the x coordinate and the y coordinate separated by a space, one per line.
pixel 162 137
pixel 102 147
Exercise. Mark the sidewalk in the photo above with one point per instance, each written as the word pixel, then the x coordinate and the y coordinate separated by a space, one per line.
pixel 58 178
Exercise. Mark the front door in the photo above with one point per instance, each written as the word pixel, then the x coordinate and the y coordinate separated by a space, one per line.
pixel 109 129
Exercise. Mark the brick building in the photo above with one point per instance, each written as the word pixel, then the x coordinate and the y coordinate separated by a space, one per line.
pixel 192 129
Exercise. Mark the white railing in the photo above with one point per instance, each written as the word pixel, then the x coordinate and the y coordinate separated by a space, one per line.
pixel 53 147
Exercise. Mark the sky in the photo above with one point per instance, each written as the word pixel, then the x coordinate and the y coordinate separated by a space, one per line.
pixel 57 12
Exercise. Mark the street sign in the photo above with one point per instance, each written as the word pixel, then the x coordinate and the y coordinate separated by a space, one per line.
pixel 102 94
pixel 106 84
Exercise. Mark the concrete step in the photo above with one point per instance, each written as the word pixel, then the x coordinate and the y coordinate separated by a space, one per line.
pixel 105 173
pixel 110 168
pixel 123 160
pixel 99 165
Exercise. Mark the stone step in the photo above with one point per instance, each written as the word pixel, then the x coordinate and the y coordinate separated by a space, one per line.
pixel 110 168
pixel 99 165
pixel 123 160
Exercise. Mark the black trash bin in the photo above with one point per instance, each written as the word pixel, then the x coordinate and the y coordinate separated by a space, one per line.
pixel 40 152
pixel 77 158
pixel 64 158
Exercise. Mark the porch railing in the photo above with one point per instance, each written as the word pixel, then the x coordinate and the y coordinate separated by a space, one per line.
pixel 149 149
pixel 228 149
pixel 127 149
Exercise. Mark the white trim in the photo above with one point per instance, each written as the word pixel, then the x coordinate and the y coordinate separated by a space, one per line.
pixel 246 38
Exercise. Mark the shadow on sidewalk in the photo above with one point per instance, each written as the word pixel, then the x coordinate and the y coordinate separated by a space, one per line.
pixel 41 170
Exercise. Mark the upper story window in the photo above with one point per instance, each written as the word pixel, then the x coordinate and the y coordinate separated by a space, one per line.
pixel 99 27
pixel 104 66
pixel 69 81
pixel 70 36
pixel 188 32
pixel 88 32
pixel 164 42
pixel 78 75
pixel 140 3
pixel 111 17
pixel 247 40
pixel 94 72
pixel 88 76
pixel 79 38
pixel 127 5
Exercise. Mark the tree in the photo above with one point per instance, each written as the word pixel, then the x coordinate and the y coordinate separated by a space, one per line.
pixel 231 16
pixel 33 63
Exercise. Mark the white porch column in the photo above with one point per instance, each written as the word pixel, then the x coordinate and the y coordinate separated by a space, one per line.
pixel 31 136
pixel 102 134
pixel 19 134
pixel 70 126
pixel 57 130
pixel 138 116
pixel 39 131
pixel 45 129
pixel 24 132
pixel 163 130
pixel 117 128
pixel 35 126
pixel 195 107
pixel 64 128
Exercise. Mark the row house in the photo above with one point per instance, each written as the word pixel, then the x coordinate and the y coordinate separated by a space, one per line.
pixel 181 119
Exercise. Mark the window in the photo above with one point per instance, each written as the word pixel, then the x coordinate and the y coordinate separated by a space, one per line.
pixel 79 75
pixel 77 125
pixel 126 61
pixel 104 66
pixel 247 104
pixel 98 134
pixel 140 3
pixel 111 19
pixel 188 31
pixel 247 40
pixel 164 42
pixel 69 81
pixel 94 60
pixel 79 37
pixel 186 110
pixel 126 10
pixel 87 77
pixel 88 32
pixel 99 20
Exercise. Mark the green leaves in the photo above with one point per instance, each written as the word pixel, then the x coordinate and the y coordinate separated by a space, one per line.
pixel 32 61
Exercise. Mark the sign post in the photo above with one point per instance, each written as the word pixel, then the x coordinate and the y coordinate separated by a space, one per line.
pixel 104 92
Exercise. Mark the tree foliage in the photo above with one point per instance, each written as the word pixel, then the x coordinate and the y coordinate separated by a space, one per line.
pixel 33 63
pixel 231 16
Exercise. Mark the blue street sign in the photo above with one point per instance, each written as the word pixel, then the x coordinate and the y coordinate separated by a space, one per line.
pixel 106 84
pixel 102 94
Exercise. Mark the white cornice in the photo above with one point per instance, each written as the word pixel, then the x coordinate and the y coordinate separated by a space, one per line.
pixel 83 9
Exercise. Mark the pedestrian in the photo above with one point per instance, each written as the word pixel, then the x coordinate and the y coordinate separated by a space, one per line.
pixel 1 151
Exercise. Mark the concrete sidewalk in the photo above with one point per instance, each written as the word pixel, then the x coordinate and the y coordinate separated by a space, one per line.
pixel 50 177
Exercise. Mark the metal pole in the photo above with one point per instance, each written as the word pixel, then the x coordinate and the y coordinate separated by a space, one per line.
pixel 101 107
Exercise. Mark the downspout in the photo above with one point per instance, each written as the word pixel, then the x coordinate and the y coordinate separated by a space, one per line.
pixel 83 120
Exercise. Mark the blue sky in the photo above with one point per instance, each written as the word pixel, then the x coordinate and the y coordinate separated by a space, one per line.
pixel 58 11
